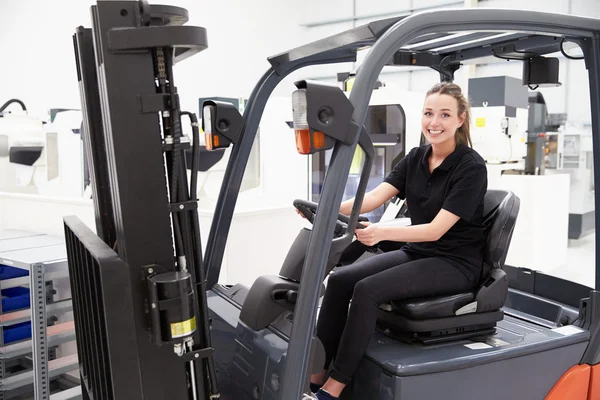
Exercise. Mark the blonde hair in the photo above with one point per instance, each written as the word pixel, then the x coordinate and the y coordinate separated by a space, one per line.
pixel 463 134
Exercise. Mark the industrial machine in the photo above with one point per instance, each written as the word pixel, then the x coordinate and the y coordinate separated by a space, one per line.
pixel 575 145
pixel 65 174
pixel 499 119
pixel 536 134
pixel 41 157
pixel 152 320
pixel 567 149
pixel 22 145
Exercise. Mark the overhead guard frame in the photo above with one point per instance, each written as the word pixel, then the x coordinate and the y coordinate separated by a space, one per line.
pixel 386 38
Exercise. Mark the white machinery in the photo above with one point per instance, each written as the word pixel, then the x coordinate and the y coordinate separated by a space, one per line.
pixel 22 142
pixel 569 151
pixel 41 158
pixel 411 104
pixel 499 119
pixel 65 166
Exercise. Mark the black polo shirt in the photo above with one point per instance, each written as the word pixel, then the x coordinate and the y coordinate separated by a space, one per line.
pixel 458 185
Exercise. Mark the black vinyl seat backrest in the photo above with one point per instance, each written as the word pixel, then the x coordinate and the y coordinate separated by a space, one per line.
pixel 501 208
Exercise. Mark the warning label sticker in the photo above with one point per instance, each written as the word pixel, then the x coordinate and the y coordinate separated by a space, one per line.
pixel 184 328
pixel 478 346
pixel 568 330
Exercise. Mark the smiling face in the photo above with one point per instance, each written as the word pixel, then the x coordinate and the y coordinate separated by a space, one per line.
pixel 441 119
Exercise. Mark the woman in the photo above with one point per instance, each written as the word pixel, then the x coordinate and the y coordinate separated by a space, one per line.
pixel 444 184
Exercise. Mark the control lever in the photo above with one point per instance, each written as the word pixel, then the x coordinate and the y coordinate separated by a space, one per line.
pixel 291 296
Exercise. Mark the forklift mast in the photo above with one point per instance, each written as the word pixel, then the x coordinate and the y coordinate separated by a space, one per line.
pixel 138 287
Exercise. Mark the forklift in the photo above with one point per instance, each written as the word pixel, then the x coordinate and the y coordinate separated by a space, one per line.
pixel 152 320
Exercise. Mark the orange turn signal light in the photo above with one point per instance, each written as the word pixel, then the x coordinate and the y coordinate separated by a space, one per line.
pixel 303 141
pixel 212 141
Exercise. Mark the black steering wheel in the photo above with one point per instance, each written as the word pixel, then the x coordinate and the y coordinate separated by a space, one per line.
pixel 309 210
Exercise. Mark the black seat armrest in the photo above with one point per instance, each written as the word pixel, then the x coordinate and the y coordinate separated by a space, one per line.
pixel 492 293
pixel 268 297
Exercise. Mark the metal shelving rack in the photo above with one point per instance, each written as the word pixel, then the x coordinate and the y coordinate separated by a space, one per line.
pixel 44 258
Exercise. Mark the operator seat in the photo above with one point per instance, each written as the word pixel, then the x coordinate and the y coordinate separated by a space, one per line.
pixel 468 314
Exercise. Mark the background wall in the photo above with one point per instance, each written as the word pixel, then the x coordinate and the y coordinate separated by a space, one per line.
pixel 38 62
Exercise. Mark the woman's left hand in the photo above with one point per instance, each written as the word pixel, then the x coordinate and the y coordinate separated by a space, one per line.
pixel 370 235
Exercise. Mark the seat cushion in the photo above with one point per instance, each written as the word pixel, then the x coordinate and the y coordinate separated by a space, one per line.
pixel 432 307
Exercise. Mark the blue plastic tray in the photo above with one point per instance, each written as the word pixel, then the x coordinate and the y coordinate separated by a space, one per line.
pixel 17 332
pixel 7 272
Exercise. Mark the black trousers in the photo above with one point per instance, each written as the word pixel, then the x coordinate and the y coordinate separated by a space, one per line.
pixel 396 275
